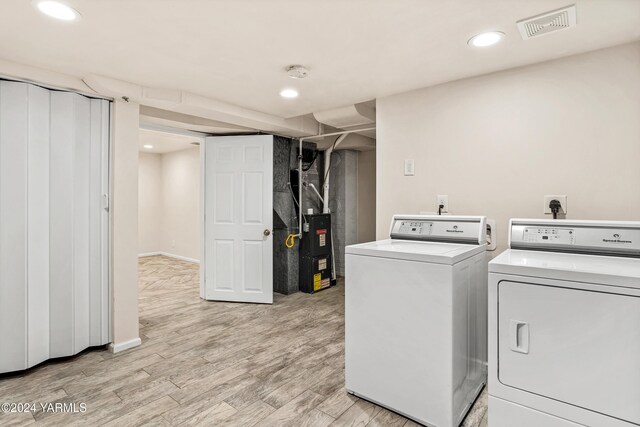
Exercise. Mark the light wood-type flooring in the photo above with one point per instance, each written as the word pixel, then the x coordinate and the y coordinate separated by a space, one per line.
pixel 210 364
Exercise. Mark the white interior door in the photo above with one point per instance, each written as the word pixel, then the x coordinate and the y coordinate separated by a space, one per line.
pixel 237 263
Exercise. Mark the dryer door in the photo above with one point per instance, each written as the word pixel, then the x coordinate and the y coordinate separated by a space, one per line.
pixel 576 346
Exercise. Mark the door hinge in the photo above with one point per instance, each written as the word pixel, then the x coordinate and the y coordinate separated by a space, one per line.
pixel 105 202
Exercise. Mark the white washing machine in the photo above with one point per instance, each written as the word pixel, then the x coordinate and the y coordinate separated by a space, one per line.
pixel 564 325
pixel 416 308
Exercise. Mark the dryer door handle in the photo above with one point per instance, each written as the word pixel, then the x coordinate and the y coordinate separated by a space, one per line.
pixel 519 336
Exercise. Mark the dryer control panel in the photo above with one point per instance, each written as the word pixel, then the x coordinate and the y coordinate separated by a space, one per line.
pixel 594 237
pixel 549 235
pixel 454 229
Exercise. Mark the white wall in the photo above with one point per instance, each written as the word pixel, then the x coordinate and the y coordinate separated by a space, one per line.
pixel 169 212
pixel 496 144
pixel 366 196
pixel 150 203
pixel 181 203
pixel 124 217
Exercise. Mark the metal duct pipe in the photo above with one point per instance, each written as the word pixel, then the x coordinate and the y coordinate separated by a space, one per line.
pixel 327 164
pixel 315 190
pixel 304 138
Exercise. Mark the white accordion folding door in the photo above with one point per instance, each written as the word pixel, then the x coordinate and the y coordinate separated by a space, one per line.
pixel 54 224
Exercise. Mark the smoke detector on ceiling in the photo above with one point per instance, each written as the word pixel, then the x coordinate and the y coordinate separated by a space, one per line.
pixel 297 71
pixel 548 22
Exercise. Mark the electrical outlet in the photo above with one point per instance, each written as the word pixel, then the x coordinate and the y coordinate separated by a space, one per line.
pixel 409 167
pixel 444 201
pixel 561 199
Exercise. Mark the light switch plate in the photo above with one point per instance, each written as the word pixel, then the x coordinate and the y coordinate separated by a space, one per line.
pixel 409 167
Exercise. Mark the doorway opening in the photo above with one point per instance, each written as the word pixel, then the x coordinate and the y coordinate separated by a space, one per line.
pixel 169 228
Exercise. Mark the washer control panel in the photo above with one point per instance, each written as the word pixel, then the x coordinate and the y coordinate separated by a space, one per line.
pixel 416 228
pixel 455 229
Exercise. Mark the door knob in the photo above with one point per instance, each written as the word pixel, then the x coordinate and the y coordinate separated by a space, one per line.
pixel 266 232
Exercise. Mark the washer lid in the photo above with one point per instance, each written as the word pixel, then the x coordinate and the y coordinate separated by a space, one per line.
pixel 434 252
pixel 605 270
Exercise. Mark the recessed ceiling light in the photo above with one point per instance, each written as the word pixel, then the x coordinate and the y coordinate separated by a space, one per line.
pixel 57 10
pixel 486 39
pixel 148 146
pixel 289 93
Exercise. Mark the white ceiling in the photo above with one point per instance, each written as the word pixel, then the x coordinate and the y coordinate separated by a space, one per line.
pixel 356 50
pixel 164 142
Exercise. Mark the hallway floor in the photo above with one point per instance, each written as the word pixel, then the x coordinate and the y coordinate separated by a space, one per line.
pixel 205 363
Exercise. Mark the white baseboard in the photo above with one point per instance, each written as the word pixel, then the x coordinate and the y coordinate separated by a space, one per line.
pixel 122 346
pixel 149 254
pixel 167 254
pixel 180 257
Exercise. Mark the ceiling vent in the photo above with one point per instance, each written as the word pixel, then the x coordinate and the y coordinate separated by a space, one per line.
pixel 548 22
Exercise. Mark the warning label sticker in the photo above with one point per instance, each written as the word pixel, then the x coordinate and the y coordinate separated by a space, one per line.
pixel 322 264
pixel 319 283
pixel 323 239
